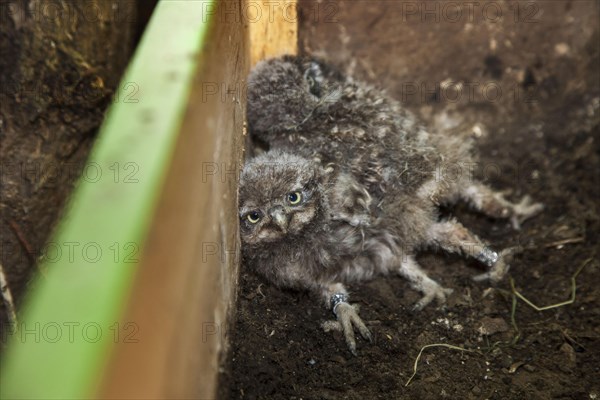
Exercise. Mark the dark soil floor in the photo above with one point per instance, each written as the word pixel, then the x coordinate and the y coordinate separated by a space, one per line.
pixel 548 148
pixel 280 350
pixel 58 75
pixel 541 137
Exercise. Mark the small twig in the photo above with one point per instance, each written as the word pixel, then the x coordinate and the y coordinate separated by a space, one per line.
pixel 558 243
pixel 260 291
pixel 8 300
pixel 565 241
pixel 28 249
pixel 513 321
pixel 562 303
pixel 569 339
pixel 433 345
pixel 515 294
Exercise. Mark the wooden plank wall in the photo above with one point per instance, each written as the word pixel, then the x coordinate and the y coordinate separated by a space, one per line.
pixel 188 273
pixel 173 334
pixel 273 28
pixel 186 290
pixel 55 355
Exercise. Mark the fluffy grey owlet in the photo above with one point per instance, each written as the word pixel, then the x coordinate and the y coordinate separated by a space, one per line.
pixel 350 188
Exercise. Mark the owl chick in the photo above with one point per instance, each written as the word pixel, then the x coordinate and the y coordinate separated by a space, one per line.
pixel 350 189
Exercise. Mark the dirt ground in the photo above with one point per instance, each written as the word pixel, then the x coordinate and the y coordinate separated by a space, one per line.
pixel 59 71
pixel 540 137
pixel 542 140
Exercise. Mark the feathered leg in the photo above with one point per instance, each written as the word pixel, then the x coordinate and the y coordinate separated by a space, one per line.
pixel 336 298
pixel 493 203
pixel 418 279
pixel 453 237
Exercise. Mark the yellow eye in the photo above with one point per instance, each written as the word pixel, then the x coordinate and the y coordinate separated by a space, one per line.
pixel 253 217
pixel 294 198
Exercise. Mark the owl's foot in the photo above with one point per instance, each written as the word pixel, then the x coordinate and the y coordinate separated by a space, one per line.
pixel 410 269
pixel 347 319
pixel 500 268
pixel 494 204
pixel 432 291
pixel 524 210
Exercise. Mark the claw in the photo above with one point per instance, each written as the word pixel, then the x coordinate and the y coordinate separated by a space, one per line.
pixel 524 210
pixel 431 292
pixel 330 326
pixel 347 319
pixel 500 268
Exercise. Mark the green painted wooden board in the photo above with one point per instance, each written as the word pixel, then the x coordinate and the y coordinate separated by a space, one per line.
pixel 71 318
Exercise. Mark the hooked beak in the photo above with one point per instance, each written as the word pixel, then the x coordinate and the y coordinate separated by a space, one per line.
pixel 279 218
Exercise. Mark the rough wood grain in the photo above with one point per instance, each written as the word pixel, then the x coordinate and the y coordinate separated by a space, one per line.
pixel 61 63
pixel 188 277
pixel 273 28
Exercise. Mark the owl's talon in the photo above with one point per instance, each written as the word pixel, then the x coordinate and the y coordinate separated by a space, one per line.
pixel 499 270
pixel 347 320
pixel 330 326
pixel 366 334
pixel 524 210
pixel 352 348
pixel 431 292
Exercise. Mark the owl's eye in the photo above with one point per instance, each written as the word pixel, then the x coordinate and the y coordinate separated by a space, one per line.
pixel 313 77
pixel 253 217
pixel 313 86
pixel 294 198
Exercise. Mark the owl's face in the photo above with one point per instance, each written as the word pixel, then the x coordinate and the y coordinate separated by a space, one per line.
pixel 279 197
pixel 285 93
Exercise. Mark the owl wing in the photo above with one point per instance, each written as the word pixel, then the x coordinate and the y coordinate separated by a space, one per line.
pixel 349 201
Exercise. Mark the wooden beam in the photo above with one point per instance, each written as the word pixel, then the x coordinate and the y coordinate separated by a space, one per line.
pixel 273 28
pixel 156 212
pixel 164 317
pixel 189 270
